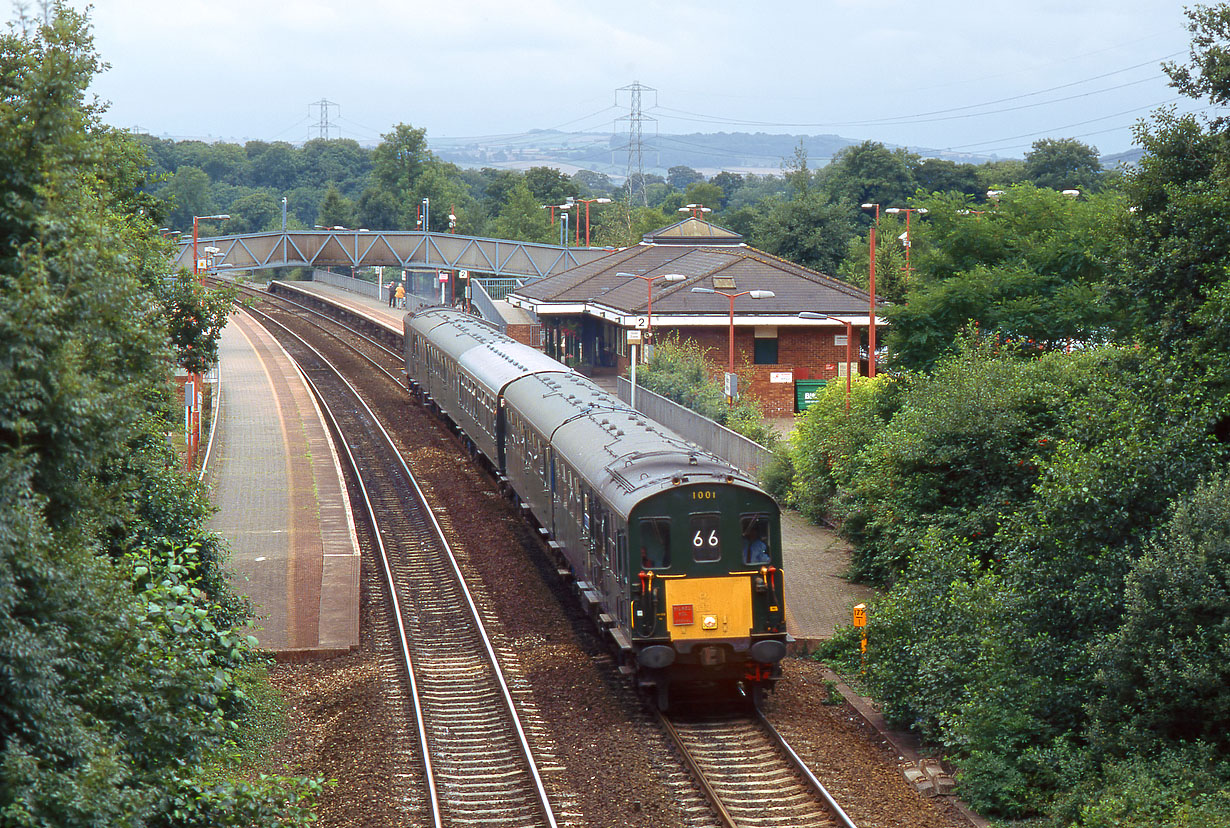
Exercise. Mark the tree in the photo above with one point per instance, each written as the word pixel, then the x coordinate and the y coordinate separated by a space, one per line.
pixel 939 175
pixel 730 183
pixel 1163 675
pixel 593 183
pixel 522 218
pixel 810 230
pixel 702 192
pixel 188 194
pixel 254 212
pixel 378 209
pixel 335 210
pixel 120 669
pixel 1030 270
pixel 274 165
pixel 400 158
pixel 870 172
pixel 1175 289
pixel 1062 164
pixel 549 185
pixel 681 177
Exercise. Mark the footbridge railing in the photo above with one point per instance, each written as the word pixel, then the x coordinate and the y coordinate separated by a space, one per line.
pixel 404 249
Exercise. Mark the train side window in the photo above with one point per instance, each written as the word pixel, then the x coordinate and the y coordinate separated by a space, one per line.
pixel 756 540
pixel 705 538
pixel 655 542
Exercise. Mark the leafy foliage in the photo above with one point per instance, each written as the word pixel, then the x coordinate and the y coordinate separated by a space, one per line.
pixel 1030 268
pixel 118 654
pixel 678 371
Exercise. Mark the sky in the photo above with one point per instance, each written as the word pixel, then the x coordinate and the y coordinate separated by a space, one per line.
pixel 983 77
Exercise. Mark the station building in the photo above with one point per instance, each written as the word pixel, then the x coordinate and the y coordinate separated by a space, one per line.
pixel 588 312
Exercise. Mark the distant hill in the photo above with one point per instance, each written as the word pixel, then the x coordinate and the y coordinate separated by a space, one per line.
pixel 709 153
pixel 1122 159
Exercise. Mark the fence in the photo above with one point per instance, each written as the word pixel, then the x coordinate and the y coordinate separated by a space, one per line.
pixel 362 286
pixel 497 287
pixel 734 448
pixel 482 302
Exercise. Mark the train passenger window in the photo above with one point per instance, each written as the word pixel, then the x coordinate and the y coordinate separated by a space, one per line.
pixel 706 542
pixel 755 530
pixel 655 543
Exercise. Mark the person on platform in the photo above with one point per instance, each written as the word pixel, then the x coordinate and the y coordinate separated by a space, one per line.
pixel 401 295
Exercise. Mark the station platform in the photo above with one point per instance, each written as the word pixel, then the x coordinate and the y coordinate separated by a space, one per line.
pixel 818 596
pixel 374 309
pixel 275 476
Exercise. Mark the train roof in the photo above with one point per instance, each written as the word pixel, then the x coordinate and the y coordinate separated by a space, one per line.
pixel 493 358
pixel 624 455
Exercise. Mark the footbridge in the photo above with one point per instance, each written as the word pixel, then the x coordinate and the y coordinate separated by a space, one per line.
pixel 410 249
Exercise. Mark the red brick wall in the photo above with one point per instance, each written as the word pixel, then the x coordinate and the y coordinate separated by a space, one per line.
pixel 528 334
pixel 807 353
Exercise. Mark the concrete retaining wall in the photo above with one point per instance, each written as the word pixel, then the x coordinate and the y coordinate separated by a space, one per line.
pixel 736 449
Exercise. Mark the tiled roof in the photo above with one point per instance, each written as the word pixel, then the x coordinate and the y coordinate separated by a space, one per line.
pixel 737 268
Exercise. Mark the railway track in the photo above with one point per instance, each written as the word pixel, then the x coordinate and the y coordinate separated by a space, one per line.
pixel 751 776
pixel 745 771
pixel 478 768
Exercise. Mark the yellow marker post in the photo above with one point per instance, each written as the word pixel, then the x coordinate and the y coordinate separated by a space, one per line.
pixel 860 621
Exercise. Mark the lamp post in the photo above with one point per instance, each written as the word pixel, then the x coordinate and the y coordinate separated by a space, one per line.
pixel 563 227
pixel 907 210
pixel 426 214
pixel 871 288
pixel 452 219
pixel 196 231
pixel 752 294
pixel 587 202
pixel 648 280
pixel 849 344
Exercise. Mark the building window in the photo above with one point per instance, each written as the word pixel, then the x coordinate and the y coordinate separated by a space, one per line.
pixel 766 351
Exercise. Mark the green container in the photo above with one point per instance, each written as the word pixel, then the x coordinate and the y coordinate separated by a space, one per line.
pixel 805 393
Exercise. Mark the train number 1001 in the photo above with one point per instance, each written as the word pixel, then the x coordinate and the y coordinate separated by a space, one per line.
pixel 704 494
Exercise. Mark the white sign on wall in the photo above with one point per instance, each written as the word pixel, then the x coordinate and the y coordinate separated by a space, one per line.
pixel 781 376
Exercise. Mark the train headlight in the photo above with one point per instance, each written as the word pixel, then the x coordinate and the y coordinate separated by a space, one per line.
pixel 708 622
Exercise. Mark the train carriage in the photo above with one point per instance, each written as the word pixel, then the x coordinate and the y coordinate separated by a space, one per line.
pixel 677 553
pixel 461 365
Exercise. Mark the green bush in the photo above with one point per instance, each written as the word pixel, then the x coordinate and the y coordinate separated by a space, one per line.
pixel 778 476
pixel 827 443
pixel 1175 787
pixel 679 372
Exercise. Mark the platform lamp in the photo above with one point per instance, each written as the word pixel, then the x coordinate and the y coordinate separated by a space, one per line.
pixel 648 280
pixel 922 211
pixel 751 294
pixel 196 232
pixel 697 210
pixel 849 344
pixel 587 202
pixel 871 288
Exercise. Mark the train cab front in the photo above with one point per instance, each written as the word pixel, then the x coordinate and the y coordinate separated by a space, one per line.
pixel 707 604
